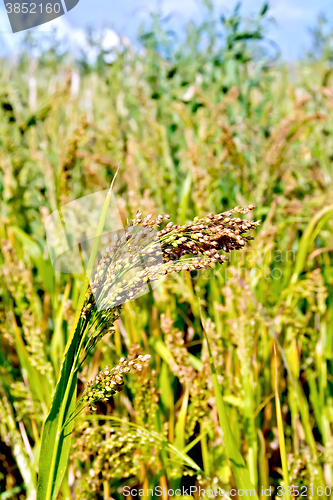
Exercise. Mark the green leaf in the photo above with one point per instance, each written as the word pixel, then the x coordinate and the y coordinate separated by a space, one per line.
pixel 180 425
pixel 39 385
pixel 279 420
pixel 165 382
pixel 56 439
pixel 306 241
pixel 239 469
pixel 29 244
pixel 234 400
pixel 44 267
pixel 7 495
pixel 195 362
pixel 162 351
pixel 185 198
pixel 56 442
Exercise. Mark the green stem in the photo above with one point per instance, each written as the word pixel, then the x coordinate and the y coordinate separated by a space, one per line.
pixel 69 420
pixel 60 427
pixel 67 395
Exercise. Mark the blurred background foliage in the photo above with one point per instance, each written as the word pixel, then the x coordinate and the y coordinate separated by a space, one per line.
pixel 199 123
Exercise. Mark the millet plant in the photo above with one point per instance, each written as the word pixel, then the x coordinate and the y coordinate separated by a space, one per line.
pixel 173 248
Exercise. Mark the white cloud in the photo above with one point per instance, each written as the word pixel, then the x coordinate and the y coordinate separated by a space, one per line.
pixel 59 31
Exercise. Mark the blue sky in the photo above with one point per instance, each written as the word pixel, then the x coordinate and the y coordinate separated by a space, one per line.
pixel 293 17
